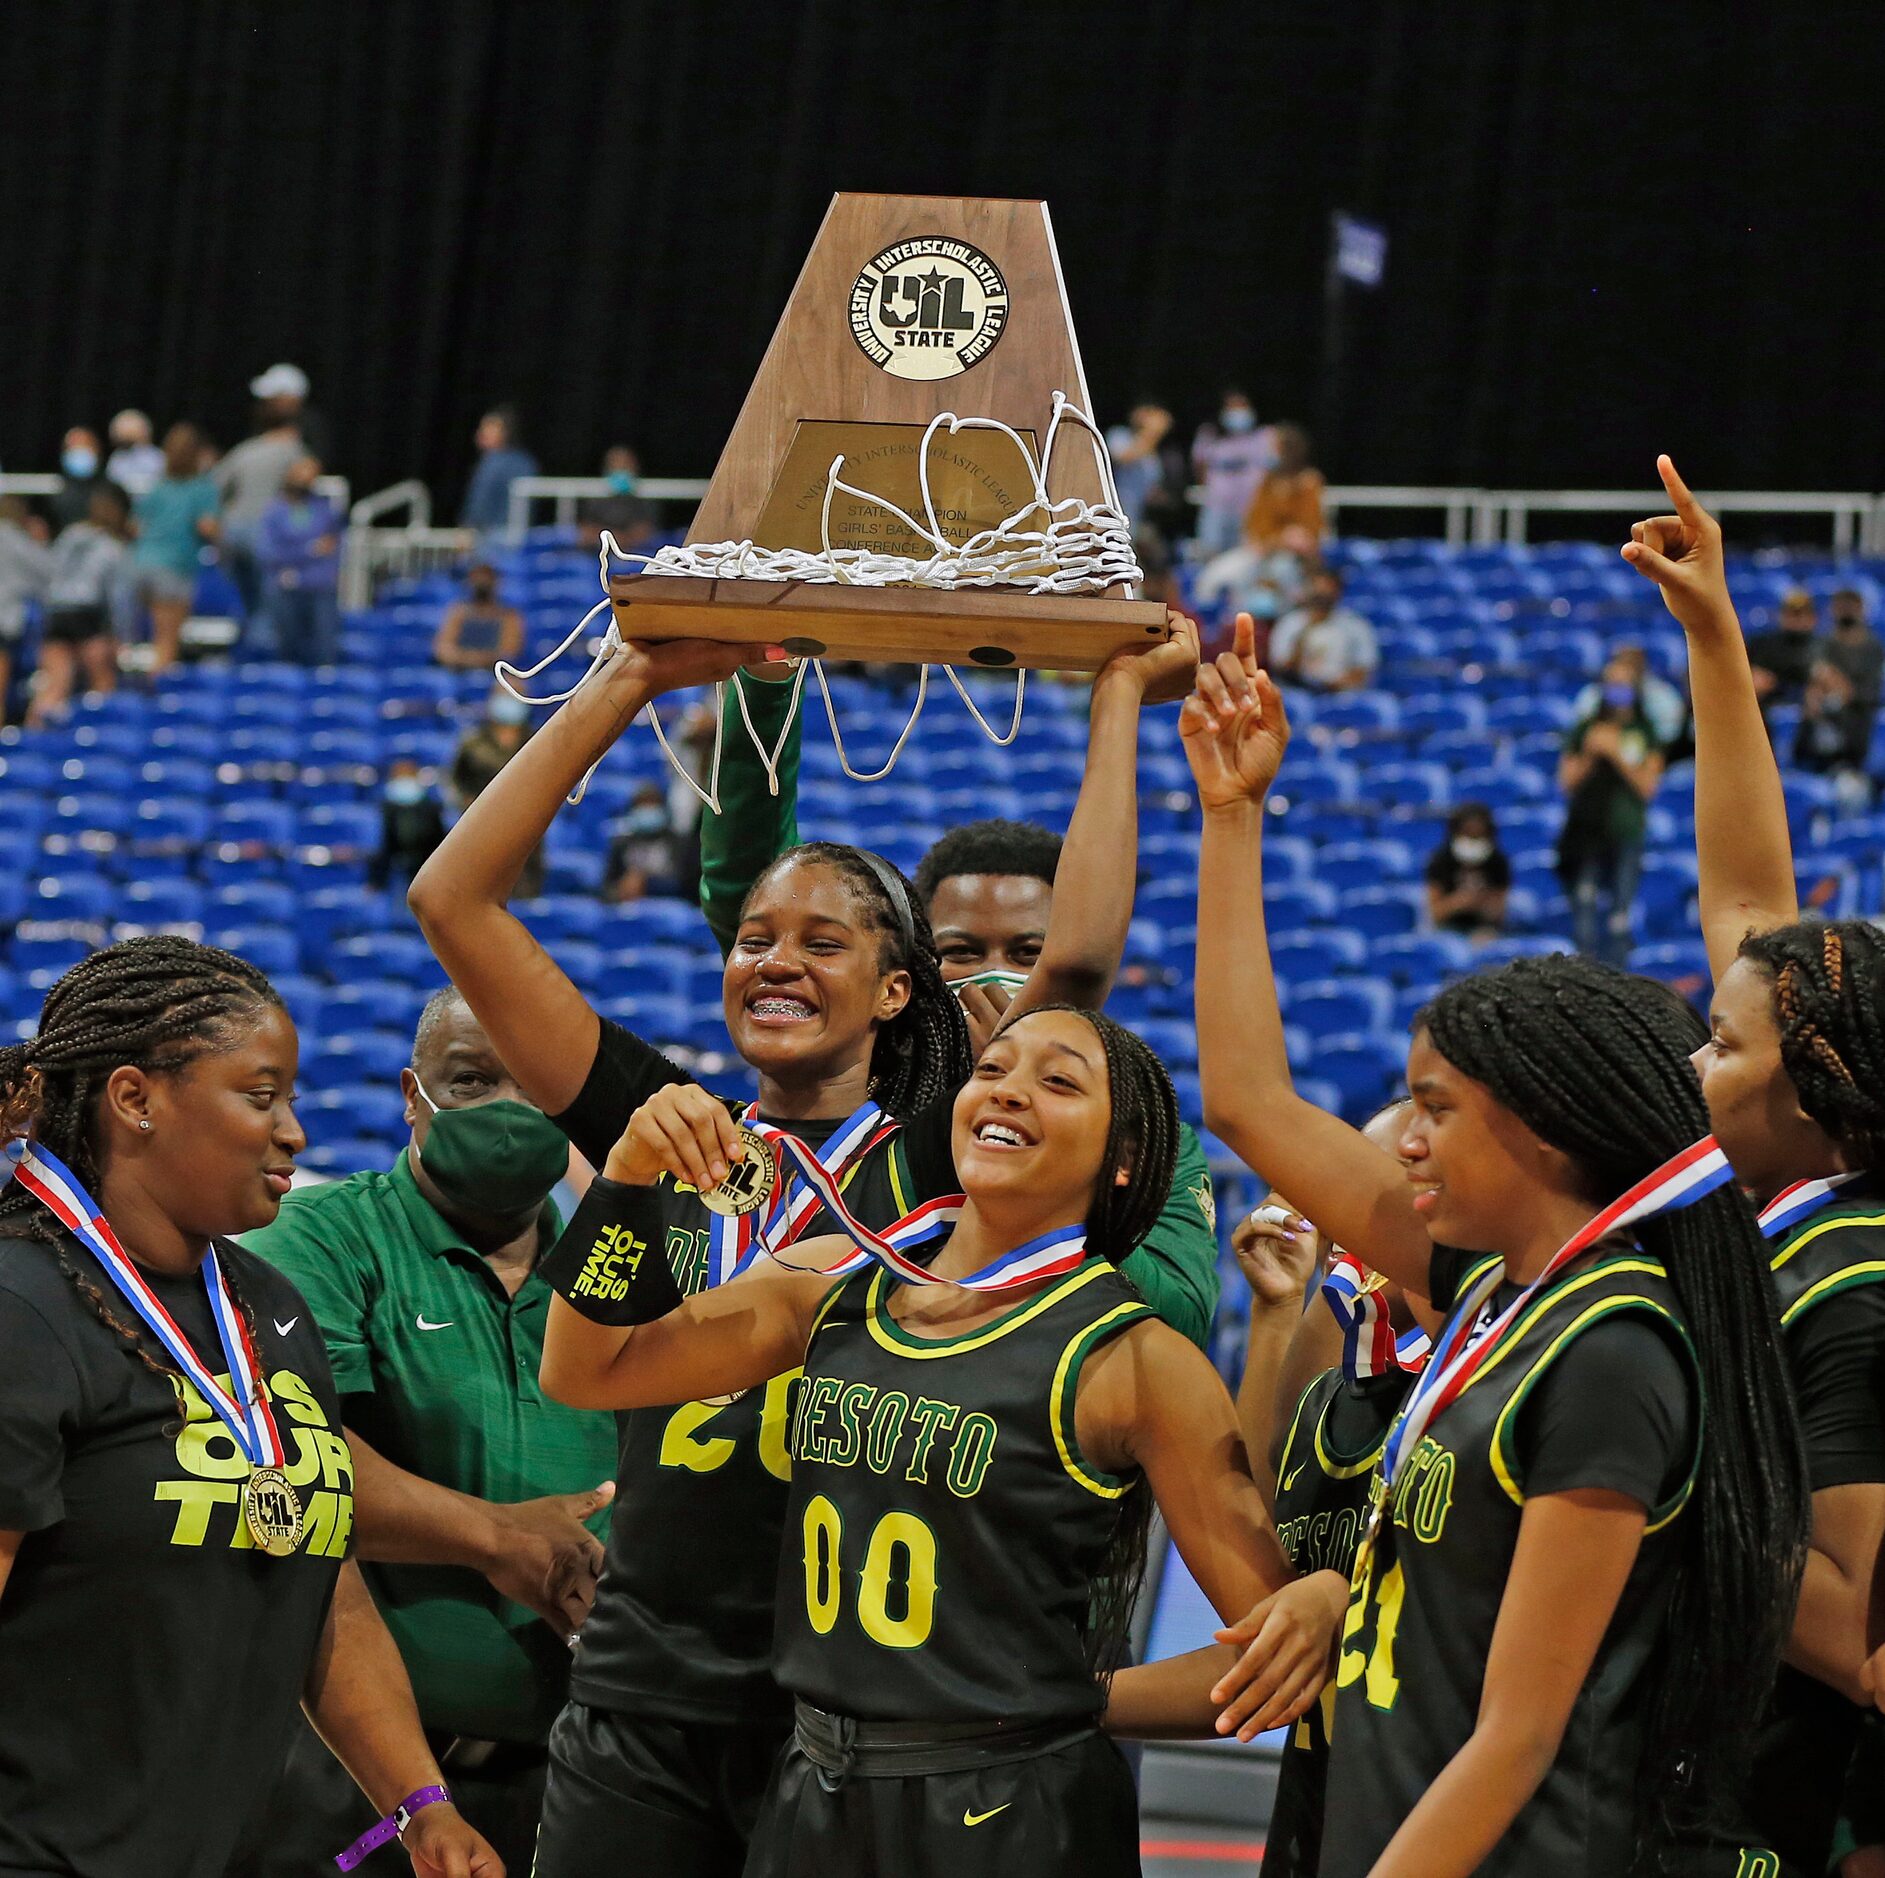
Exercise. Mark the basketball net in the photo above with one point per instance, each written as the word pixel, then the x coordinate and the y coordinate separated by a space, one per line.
pixel 1066 547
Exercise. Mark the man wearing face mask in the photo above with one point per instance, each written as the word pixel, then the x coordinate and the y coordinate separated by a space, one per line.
pixel 297 545
pixel 1611 768
pixel 1229 456
pixel 79 465
pixel 477 1510
pixel 625 512
pixel 480 629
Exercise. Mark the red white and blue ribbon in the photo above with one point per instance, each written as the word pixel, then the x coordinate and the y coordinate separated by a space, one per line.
pixel 1369 1344
pixel 1465 1344
pixel 736 1241
pixel 1048 1256
pixel 1795 1205
pixel 246 1413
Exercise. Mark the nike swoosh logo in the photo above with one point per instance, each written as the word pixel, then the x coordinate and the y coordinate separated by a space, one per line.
pixel 423 1325
pixel 281 1329
pixel 1294 1477
pixel 975 1819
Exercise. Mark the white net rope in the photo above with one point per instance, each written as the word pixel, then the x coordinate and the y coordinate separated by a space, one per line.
pixel 1067 547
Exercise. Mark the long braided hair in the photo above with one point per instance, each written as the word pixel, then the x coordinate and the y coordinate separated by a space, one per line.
pixel 923 1052
pixel 1142 1136
pixel 1595 1062
pixel 1829 1002
pixel 154 1004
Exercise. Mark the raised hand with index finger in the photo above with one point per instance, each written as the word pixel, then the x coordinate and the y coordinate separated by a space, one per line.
pixel 1234 726
pixel 1682 554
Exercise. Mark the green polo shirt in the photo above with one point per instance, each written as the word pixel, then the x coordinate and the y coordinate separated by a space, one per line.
pixel 437 1368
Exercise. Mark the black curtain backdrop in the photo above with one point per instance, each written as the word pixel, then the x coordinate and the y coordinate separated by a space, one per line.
pixel 1614 228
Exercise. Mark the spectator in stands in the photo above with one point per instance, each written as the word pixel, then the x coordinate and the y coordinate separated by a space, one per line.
pixel 1611 768
pixel 175 517
pixel 81 473
pixel 642 856
pixel 283 390
pixel 297 547
pixel 1229 456
pixel 1783 657
pixel 1322 644
pixel 1835 734
pixel 88 569
pixel 25 568
pixel 478 1501
pixel 412 821
pixel 1137 448
pixel 1286 511
pixel 1665 706
pixel 135 463
pixel 1854 647
pixel 502 460
pixel 248 480
pixel 627 515
pixel 1469 876
pixel 480 629
pixel 482 752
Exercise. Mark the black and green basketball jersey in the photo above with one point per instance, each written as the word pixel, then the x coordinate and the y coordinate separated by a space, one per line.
pixel 1810 1731
pixel 945 1528
pixel 1322 1496
pixel 682 1623
pixel 1426 1593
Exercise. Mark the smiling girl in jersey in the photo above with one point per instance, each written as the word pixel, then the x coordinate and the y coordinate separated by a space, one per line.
pixel 834 998
pixel 973 1468
pixel 1794 1076
pixel 1566 1616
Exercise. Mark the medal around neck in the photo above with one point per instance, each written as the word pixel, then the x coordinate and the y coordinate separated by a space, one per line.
pixel 272 1511
pixel 750 1180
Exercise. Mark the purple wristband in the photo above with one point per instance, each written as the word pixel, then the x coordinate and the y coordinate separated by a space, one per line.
pixel 393 1826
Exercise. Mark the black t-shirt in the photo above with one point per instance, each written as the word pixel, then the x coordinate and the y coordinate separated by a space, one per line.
pixel 1447 873
pixel 151 1658
pixel 1593 1387
pixel 683 1619
pixel 1789 656
pixel 1832 1307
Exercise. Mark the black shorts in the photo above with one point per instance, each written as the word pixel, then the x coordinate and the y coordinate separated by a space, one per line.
pixel 74 625
pixel 663 1799
pixel 1069 1813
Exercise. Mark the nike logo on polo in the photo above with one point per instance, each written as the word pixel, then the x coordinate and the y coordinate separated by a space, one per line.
pixel 423 1325
pixel 281 1329
pixel 975 1819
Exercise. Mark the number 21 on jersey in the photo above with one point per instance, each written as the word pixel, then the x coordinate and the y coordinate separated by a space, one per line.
pixel 688 1440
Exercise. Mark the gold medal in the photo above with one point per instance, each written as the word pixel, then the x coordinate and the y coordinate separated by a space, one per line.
pixel 272 1509
pixel 749 1180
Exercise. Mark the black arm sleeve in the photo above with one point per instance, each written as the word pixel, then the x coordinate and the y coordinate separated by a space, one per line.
pixel 624 1075
pixel 1837 1353
pixel 928 1150
pixel 1616 1410
pixel 611 1263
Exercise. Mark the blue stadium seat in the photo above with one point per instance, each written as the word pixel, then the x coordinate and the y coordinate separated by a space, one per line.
pixel 338 1159
pixel 1410 782
pixel 41 953
pixel 1288 907
pixel 1381 912
pixel 1675 961
pixel 357 1004
pixel 152 903
pixel 350 1110
pixel 1365 864
pixel 1173 1041
pixel 1365 1069
pixel 73 897
pixel 1326 1007
pixel 359 1056
pixel 1304 955
pixel 1422 959
pixel 398 955
pixel 272 949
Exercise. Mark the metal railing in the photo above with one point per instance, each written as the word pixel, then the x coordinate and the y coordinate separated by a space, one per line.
pixel 567 491
pixel 49 483
pixel 1858 519
pixel 375 550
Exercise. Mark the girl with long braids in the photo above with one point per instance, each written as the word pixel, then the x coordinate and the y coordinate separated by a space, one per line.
pixel 1794 1076
pixel 974 1455
pixel 175 1491
pixel 1590 1519
pixel 834 997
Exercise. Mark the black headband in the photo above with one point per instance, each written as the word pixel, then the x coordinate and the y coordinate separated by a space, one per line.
pixel 897 894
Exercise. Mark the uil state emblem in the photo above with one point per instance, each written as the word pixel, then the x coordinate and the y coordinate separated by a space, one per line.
pixel 927 308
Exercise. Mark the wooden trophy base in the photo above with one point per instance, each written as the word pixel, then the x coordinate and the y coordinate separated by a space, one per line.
pixel 996 629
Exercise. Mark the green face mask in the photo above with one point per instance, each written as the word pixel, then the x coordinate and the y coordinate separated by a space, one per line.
pixel 497 1158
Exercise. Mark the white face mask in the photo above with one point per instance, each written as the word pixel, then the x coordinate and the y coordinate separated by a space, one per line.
pixel 1471 850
